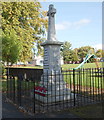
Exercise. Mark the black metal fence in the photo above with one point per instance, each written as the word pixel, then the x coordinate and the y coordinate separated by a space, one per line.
pixel 85 86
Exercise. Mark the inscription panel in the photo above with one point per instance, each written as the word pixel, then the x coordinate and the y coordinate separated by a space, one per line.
pixel 46 59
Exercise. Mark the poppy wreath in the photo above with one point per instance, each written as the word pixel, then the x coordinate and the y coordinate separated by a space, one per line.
pixel 40 90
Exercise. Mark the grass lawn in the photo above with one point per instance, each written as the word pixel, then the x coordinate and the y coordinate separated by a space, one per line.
pixel 87 65
pixel 68 66
pixel 89 111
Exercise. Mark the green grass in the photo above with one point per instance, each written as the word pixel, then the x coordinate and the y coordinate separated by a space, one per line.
pixel 24 84
pixel 89 111
pixel 87 65
pixel 4 85
pixel 83 79
pixel 68 66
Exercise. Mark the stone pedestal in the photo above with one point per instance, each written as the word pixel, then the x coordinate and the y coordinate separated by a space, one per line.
pixel 52 58
pixel 55 91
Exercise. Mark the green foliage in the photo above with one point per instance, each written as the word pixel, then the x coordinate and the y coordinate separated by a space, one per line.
pixel 66 51
pixel 11 47
pixel 100 53
pixel 3 70
pixel 66 46
pixel 75 55
pixel 83 51
pixel 78 54
pixel 28 21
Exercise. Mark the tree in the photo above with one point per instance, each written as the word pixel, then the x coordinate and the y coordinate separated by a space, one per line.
pixel 66 46
pixel 28 21
pixel 83 51
pixel 99 53
pixel 11 47
pixel 75 55
pixel 102 53
pixel 66 51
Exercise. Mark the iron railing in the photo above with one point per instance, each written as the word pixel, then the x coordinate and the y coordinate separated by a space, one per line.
pixel 23 88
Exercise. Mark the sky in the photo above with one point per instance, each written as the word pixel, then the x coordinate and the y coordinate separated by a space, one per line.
pixel 80 23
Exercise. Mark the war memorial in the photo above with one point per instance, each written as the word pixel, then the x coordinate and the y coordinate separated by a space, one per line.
pixel 52 79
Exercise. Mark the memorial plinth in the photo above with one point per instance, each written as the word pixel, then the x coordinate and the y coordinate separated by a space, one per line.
pixel 52 87
pixel 52 56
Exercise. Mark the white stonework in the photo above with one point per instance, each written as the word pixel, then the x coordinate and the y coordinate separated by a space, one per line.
pixel 52 78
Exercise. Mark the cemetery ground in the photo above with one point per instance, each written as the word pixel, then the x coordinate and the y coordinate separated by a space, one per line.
pixel 88 111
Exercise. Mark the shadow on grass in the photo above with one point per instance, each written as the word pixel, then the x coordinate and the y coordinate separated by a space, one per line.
pixel 89 111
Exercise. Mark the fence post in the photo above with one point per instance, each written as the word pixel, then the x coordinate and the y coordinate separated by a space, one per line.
pixel 19 90
pixel 34 95
pixel 13 88
pixel 7 73
pixel 74 85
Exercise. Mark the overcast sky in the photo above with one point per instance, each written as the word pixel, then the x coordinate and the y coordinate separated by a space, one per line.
pixel 80 23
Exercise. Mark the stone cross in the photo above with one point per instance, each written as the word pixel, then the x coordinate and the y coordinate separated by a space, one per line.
pixel 51 45
pixel 51 11
pixel 51 23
